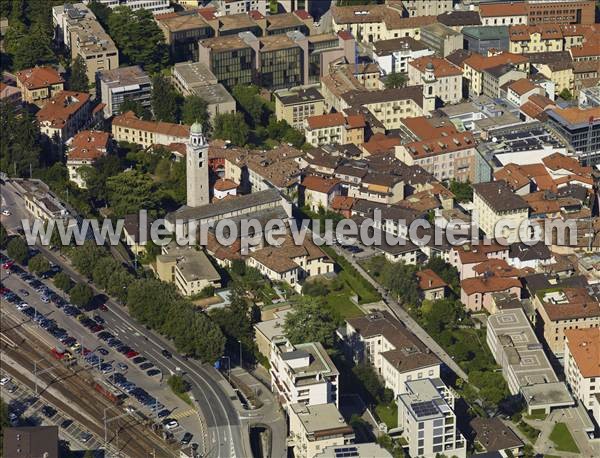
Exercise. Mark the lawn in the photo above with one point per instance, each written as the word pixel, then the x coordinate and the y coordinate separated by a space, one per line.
pixel 388 414
pixel 538 414
pixel 562 438
pixel 341 303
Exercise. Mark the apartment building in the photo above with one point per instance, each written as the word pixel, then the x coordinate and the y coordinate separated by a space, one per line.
pixel 115 87
pixel 476 64
pixel 127 127
pixel 477 293
pixel 62 15
pixel 188 269
pixel 302 374
pixel 499 210
pixel 83 150
pixel 374 22
pixel 314 428
pixel 448 77
pixel 561 12
pixel 391 106
pixel 319 192
pixel 582 371
pixel 334 128
pixel 227 7
pixel 562 309
pixel 427 8
pixel 395 353
pixel 39 84
pixel 519 91
pixel 525 367
pixel 393 55
pixel 495 78
pixel 535 38
pixel 154 6
pixel 492 435
pixel 64 115
pixel 428 421
pixel 448 157
pixel 294 106
pixel 442 39
pixel 87 39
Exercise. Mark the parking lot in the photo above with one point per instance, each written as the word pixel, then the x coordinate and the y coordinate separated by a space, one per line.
pixel 98 343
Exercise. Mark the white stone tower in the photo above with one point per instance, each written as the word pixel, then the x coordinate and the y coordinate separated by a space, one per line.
pixel 429 91
pixel 197 168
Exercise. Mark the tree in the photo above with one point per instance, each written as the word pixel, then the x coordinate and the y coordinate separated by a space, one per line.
pixel 178 384
pixel 195 109
pixel 138 109
pixel 463 192
pixel 394 80
pixel 86 256
pixel 446 272
pixel 139 39
pixel 35 48
pixel 231 126
pixel 3 237
pixel 165 100
pixel 17 249
pixel 81 295
pixel 38 264
pixel 131 191
pixel 78 80
pixel 20 140
pixel 63 281
pixel 311 321
pixel 4 420
pixel 369 381
pixel 101 11
pixel 566 94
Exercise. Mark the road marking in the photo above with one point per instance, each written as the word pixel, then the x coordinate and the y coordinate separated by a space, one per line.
pixel 183 414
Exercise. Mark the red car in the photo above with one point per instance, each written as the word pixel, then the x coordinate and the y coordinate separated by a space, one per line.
pixel 97 328
pixel 7 265
pixel 131 354
pixel 86 351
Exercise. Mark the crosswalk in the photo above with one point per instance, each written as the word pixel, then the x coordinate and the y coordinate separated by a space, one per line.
pixel 182 414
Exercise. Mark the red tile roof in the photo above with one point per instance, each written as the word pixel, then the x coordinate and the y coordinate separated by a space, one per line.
pixel 441 67
pixel 62 107
pixel 480 63
pixel 302 14
pixel 425 130
pixel 225 185
pixel 320 184
pixel 166 128
pixel 326 120
pixel 88 145
pixel 39 77
pixel 521 86
pixel 584 346
pixel 441 145
pixel 428 279
pixel 502 9
pixel 491 284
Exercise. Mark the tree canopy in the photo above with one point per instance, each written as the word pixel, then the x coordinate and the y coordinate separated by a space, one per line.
pixel 38 264
pixel 81 295
pixel 78 80
pixel 311 321
pixel 131 191
pixel 394 80
pixel 17 249
pixel 195 109
pixel 231 126
pixel 20 142
pixel 63 281
pixel 165 100
pixel 139 39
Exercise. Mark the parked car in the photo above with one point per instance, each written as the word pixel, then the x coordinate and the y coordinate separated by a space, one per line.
pixel 170 423
pixel 48 411
pixel 186 439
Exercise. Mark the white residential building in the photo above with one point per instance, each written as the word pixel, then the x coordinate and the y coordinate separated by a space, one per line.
pixel 227 7
pixel 582 367
pixel 154 6
pixel 397 355
pixel 393 55
pixel 313 428
pixel 426 416
pixel 302 373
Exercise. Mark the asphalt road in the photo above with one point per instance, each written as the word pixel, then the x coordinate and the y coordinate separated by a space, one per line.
pixel 224 435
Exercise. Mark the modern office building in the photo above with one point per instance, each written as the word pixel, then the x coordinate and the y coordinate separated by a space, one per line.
pixel 481 39
pixel 114 87
pixel 294 106
pixel 182 31
pixel 581 129
pixel 441 38
pixel 426 416
pixel 230 59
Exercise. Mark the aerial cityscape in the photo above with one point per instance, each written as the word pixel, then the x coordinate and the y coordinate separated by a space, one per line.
pixel 300 228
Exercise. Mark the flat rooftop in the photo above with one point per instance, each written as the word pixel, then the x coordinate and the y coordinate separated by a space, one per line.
pixel 320 417
pixel 319 361
pixel 547 395
pixel 195 73
pixel 124 76
pixel 523 351
pixel 423 399
pixel 214 94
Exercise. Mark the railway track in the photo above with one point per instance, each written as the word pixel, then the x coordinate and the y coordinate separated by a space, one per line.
pixel 76 383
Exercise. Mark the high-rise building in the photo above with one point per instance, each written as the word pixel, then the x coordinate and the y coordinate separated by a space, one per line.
pixel 197 168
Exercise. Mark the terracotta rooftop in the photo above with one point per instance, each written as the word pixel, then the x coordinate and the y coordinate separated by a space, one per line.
pixel 490 284
pixel 473 254
pixel 441 67
pixel 425 130
pixel 320 184
pixel 225 185
pixel 521 86
pixel 586 50
pixel 88 145
pixel 326 120
pixel 381 144
pixel 497 267
pixel 428 279
pixel 39 77
pixel 546 31
pixel 342 203
pixel 576 115
pixel 129 120
pixel 502 9
pixel 441 145
pixel 577 303
pixel 480 63
pixel 62 107
pixel 584 346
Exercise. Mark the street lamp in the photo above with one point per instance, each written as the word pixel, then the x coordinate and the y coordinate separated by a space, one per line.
pixel 241 362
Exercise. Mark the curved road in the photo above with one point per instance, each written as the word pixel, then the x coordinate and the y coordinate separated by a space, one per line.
pixel 224 435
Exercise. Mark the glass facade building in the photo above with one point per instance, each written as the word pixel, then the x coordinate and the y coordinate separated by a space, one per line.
pixel 281 68
pixel 314 57
pixel 232 67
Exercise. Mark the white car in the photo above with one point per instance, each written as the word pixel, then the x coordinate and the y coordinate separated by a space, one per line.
pixel 171 424
pixel 4 380
pixel 6 212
